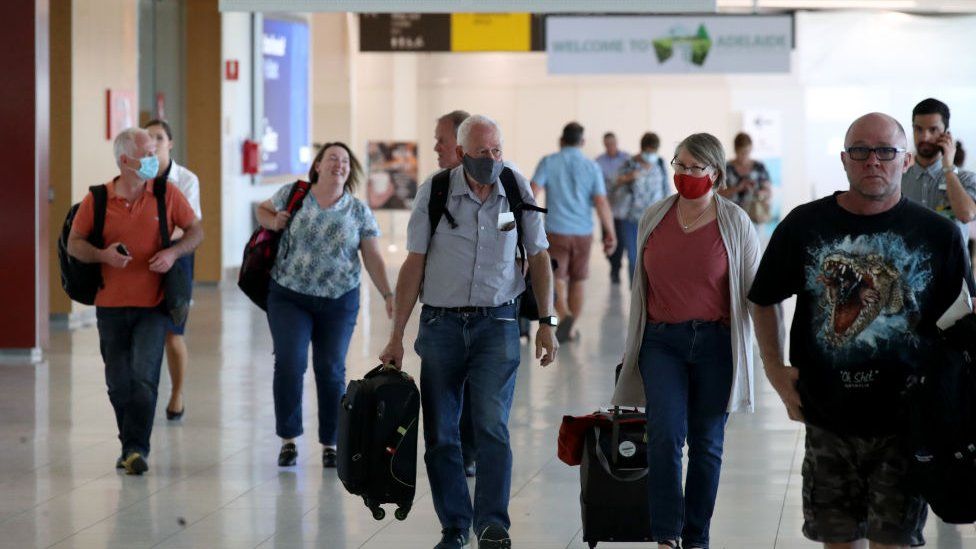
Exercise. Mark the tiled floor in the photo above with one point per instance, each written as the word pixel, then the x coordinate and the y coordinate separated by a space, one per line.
pixel 214 481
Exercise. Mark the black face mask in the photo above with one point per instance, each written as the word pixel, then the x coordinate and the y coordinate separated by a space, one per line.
pixel 483 170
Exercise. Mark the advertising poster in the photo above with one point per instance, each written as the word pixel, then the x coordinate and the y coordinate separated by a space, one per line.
pixel 391 174
pixel 285 139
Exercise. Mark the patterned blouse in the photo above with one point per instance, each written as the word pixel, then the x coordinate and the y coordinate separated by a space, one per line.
pixel 758 174
pixel 318 252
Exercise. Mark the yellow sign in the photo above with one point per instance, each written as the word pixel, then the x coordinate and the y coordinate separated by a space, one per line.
pixel 491 32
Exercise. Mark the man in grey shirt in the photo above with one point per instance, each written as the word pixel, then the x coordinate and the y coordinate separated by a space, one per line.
pixel 468 278
pixel 933 180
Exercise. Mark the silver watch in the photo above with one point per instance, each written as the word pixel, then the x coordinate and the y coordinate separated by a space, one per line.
pixel 953 169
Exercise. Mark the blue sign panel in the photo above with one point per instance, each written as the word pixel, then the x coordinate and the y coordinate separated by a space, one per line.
pixel 285 143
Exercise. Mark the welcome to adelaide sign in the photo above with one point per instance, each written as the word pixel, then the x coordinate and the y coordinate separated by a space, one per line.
pixel 669 44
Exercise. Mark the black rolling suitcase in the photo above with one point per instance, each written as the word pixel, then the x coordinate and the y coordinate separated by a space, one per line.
pixel 377 446
pixel 613 478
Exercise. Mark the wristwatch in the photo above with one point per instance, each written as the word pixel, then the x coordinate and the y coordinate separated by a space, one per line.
pixel 549 321
pixel 953 169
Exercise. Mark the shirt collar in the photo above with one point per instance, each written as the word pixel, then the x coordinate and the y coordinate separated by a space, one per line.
pixel 110 186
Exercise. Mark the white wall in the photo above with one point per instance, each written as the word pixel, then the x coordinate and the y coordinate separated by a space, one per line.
pixel 239 193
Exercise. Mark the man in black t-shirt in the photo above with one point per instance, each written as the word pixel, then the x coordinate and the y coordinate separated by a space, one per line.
pixel 872 272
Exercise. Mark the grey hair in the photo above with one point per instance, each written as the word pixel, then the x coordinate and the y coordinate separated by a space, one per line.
pixel 455 118
pixel 125 143
pixel 464 130
pixel 707 149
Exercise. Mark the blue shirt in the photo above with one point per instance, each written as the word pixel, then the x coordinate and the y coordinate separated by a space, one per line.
pixel 571 181
pixel 610 166
pixel 319 250
pixel 472 265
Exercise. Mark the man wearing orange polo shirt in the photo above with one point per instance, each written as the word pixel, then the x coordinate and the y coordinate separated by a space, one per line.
pixel 131 322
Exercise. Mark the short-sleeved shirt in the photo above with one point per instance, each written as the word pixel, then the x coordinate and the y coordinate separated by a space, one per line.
pixel 610 165
pixel 629 200
pixel 474 264
pixel 136 225
pixel 571 181
pixel 687 273
pixel 318 251
pixel 927 186
pixel 188 184
pixel 869 290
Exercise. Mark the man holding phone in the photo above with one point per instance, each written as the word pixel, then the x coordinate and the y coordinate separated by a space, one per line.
pixel 933 180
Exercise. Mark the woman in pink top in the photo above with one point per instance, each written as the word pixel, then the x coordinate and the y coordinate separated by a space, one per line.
pixel 689 342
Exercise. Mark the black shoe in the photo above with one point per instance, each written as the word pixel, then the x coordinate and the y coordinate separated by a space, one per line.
pixel 494 537
pixel 329 458
pixel 564 329
pixel 288 455
pixel 453 538
pixel 173 416
pixel 120 463
pixel 135 464
pixel 470 469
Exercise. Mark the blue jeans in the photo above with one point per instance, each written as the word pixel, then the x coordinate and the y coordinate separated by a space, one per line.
pixel 297 319
pixel 687 373
pixel 480 350
pixel 626 241
pixel 131 340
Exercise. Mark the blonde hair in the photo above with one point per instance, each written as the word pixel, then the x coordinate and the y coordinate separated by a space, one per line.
pixel 707 149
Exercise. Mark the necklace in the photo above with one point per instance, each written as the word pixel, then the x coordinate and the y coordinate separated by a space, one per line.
pixel 697 219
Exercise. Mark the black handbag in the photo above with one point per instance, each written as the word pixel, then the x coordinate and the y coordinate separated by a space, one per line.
pixel 177 285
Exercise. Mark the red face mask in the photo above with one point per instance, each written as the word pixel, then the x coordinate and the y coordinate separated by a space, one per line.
pixel 692 187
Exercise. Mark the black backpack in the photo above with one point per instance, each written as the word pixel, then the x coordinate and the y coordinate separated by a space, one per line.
pixel 942 425
pixel 81 281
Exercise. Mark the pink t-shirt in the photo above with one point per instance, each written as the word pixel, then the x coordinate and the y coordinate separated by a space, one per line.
pixel 687 273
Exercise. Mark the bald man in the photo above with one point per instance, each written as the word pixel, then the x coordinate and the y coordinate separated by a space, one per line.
pixel 872 272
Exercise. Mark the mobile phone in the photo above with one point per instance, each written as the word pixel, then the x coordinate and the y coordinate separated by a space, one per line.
pixel 122 249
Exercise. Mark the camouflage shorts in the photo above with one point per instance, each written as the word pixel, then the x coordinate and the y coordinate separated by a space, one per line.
pixel 857 487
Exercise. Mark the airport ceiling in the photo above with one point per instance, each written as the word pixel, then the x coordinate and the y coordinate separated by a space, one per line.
pixel 592 6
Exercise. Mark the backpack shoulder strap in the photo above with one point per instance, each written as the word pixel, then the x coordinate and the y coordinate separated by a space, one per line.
pixel 100 203
pixel 159 191
pixel 440 186
pixel 660 164
pixel 296 196
pixel 515 203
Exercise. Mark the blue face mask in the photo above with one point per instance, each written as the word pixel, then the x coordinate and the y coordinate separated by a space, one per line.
pixel 148 167
pixel 649 157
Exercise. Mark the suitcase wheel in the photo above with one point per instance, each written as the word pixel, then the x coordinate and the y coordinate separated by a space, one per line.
pixel 378 513
pixel 401 513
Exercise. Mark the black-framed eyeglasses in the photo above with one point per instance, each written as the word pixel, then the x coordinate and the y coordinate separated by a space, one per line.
pixel 696 171
pixel 883 153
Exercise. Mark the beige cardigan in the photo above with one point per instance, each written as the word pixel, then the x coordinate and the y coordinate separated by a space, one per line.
pixel 742 246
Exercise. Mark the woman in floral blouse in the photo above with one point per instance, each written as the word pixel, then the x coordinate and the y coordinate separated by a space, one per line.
pixel 748 182
pixel 314 294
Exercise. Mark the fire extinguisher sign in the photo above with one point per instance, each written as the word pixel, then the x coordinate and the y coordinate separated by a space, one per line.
pixel 231 69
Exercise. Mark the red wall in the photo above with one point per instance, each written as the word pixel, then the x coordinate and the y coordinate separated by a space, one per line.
pixel 23 190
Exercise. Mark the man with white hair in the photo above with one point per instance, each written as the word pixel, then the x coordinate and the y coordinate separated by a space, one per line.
pixel 464 266
pixel 131 324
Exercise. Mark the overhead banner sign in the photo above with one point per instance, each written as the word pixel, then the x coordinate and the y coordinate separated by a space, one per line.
pixel 459 32
pixel 491 32
pixel 669 44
